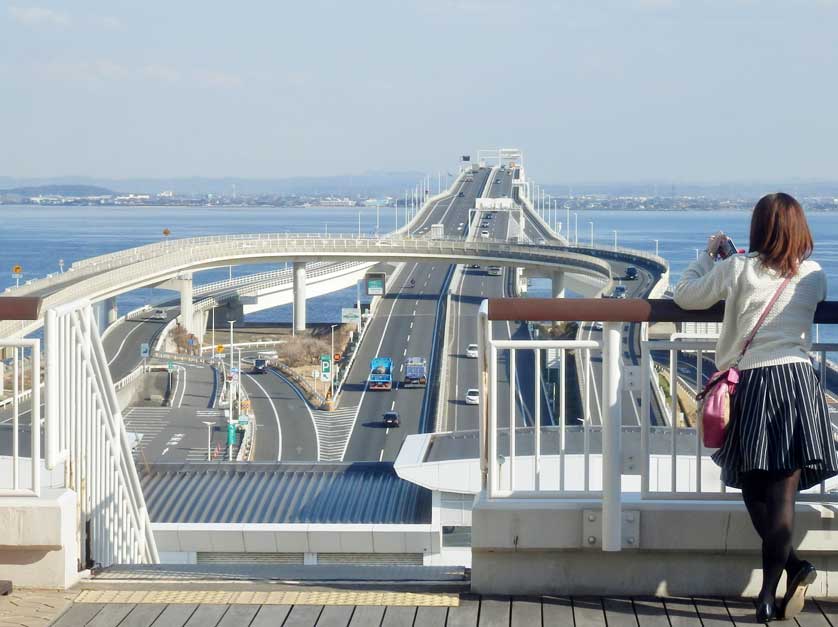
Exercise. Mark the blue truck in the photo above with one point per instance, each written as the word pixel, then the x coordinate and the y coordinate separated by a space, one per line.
pixel 415 371
pixel 381 374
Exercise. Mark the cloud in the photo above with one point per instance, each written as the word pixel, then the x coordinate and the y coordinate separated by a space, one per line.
pixel 38 16
pixel 106 22
pixel 218 80
pixel 161 73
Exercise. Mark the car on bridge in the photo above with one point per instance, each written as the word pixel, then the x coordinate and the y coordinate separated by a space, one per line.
pixel 484 233
pixel 631 273
pixel 461 194
pixel 158 314
pixel 260 366
pixel 471 351
pixel 391 419
pixel 619 292
pixel 494 271
pixel 472 396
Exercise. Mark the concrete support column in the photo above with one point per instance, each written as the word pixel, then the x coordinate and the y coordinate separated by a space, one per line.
pixel 111 310
pixel 187 311
pixel 557 281
pixel 299 296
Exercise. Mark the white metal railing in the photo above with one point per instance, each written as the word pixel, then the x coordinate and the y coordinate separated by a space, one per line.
pixel 13 418
pixel 576 459
pixel 85 431
pixel 675 464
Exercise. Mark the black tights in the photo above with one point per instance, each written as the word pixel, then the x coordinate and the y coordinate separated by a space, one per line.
pixel 769 498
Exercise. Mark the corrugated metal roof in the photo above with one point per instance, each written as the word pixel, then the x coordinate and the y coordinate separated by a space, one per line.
pixel 283 493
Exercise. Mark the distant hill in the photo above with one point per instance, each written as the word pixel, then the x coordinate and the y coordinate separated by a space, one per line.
pixel 73 191
pixel 368 183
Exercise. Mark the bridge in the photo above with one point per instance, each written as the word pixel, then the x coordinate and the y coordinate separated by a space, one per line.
pixel 526 440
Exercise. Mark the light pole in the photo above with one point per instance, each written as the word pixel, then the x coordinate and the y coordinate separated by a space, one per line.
pixel 656 248
pixel 332 357
pixel 615 240
pixel 232 378
pixel 61 265
pixel 592 232
pixel 567 221
pixel 377 218
pixel 209 439
pixel 359 225
pixel 213 328
pixel 576 228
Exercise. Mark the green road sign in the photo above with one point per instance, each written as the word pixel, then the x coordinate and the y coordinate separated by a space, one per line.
pixel 170 366
pixel 231 433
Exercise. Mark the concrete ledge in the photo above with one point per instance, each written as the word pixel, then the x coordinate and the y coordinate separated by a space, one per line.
pixel 688 548
pixel 632 573
pixel 296 538
pixel 38 547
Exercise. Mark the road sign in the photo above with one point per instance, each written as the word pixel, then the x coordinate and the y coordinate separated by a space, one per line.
pixel 219 348
pixel 245 404
pixel 170 366
pixel 350 314
pixel 191 341
pixel 231 433
pixel 336 357
pixel 145 351
pixel 234 370
pixel 17 269
pixel 325 367
pixel 375 283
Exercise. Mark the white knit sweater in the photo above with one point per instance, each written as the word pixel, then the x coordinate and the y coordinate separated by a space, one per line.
pixel 746 286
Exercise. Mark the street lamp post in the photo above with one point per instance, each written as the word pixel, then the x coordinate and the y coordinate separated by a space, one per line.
pixel 232 322
pixel 332 357
pixel 656 248
pixel 61 265
pixel 592 232
pixel 615 240
pixel 209 439
pixel 213 328
pixel 576 228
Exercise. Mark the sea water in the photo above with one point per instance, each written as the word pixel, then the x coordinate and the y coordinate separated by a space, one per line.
pixel 38 237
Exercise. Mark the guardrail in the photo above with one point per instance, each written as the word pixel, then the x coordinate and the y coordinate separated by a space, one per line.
pixel 208 251
pixel 576 460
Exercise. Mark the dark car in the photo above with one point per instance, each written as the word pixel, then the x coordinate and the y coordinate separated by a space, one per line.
pixel 461 194
pixel 631 273
pixel 391 419
pixel 260 366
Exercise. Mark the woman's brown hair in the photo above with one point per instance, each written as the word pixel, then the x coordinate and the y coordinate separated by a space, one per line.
pixel 780 233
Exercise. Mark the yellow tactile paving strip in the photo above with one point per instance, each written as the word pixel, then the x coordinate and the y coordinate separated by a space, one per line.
pixel 330 597
pixel 33 608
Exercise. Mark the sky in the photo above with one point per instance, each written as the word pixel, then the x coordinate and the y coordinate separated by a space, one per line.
pixel 590 90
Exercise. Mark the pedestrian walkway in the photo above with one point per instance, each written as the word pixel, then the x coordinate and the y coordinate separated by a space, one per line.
pixel 342 607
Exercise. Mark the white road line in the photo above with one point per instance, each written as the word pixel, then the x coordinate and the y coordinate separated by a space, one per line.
pixel 165 450
pixel 305 404
pixel 183 391
pixel 276 417
pixel 119 350
pixel 392 405
pixel 411 324
pixel 408 337
pixel 404 354
pixel 381 456
pixel 414 311
pixel 387 431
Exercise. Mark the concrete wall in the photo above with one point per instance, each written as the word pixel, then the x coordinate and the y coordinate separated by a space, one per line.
pixel 669 548
pixel 38 543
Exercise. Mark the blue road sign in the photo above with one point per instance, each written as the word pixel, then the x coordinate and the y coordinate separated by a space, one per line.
pixel 144 350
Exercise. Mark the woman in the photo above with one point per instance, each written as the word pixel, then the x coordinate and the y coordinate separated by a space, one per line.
pixel 779 438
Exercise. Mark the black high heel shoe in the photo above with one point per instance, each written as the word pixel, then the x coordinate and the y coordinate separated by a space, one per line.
pixel 792 602
pixel 766 612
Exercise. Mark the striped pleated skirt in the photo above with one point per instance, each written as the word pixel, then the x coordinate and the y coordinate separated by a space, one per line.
pixel 779 423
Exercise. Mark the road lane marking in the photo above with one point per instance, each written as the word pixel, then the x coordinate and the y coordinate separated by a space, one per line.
pixel 408 338
pixel 119 350
pixel 404 354
pixel 305 404
pixel 276 417
pixel 411 324
pixel 165 450
pixel 392 405
pixel 387 431
pixel 381 456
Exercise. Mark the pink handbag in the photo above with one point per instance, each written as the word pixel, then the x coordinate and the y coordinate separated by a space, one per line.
pixel 714 399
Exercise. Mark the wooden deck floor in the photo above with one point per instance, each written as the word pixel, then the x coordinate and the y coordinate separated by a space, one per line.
pixel 472 611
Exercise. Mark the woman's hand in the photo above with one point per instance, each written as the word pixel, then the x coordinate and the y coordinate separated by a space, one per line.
pixel 714 242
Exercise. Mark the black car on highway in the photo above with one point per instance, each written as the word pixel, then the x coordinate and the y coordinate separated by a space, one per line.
pixel 391 419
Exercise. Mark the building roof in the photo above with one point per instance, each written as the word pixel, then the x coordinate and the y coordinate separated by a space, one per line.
pixel 283 493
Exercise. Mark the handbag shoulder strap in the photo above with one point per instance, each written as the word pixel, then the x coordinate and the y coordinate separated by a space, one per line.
pixel 762 318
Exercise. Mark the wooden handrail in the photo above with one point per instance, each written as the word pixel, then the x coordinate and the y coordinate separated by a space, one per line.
pixel 620 310
pixel 20 307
